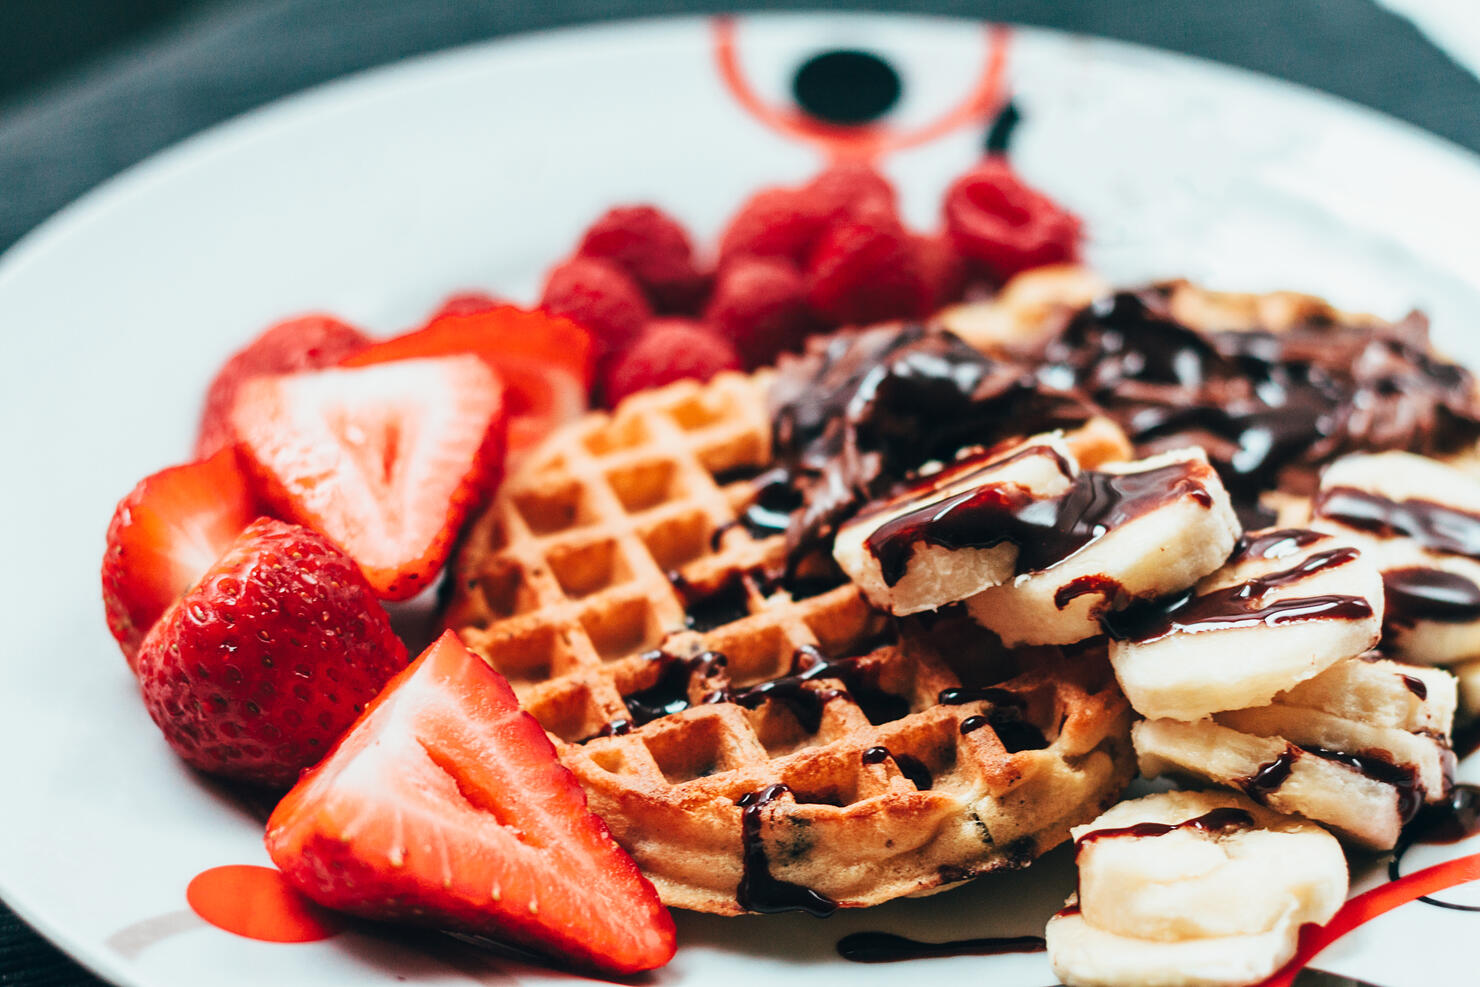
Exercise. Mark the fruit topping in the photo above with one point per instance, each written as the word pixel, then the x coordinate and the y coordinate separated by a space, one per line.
pixel 774 222
pixel 305 343
pixel 759 305
pixel 653 249
pixel 601 298
pixel 668 350
pixel 466 303
pixel 446 805
pixel 386 460
pixel 543 360
pixel 862 270
pixel 168 531
pixel 1003 224
pixel 254 673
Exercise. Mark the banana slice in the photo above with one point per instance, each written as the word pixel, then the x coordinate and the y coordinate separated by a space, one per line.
pixel 1419 521
pixel 1382 693
pixel 1289 603
pixel 1193 888
pixel 1366 802
pixel 937 542
pixel 1127 531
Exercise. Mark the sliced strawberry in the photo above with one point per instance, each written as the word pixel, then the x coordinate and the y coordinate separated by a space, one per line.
pixel 308 342
pixel 168 531
pixel 445 805
pixel 544 361
pixel 385 460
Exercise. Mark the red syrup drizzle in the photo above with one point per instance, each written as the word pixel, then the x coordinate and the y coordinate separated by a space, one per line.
pixel 1371 904
pixel 258 903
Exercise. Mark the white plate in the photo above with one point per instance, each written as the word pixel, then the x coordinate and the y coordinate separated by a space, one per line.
pixel 374 196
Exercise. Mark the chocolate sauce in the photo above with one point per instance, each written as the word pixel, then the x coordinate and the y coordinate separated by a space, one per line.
pixel 1375 765
pixel 1416 686
pixel 758 890
pixel 1267 778
pixel 775 500
pixel 1216 821
pixel 1107 589
pixel 1277 544
pixel 670 693
pixel 1262 403
pixel 713 605
pixel 1437 527
pixel 912 768
pixel 1005 717
pixel 1456 818
pixel 806 701
pixel 1238 605
pixel 885 947
pixel 1422 593
pixel 1045 530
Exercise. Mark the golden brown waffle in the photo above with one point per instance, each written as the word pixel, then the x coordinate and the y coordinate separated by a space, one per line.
pixel 564 587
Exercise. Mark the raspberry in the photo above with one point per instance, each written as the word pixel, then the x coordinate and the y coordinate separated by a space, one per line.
pixel 1005 225
pixel 668 350
pixel 653 249
pixel 863 270
pixel 774 222
pixel 846 186
pixel 759 304
pixel 602 298
pixel 466 303
pixel 942 268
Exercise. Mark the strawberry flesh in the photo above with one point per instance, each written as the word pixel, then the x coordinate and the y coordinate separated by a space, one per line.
pixel 308 342
pixel 255 673
pixel 386 460
pixel 445 805
pixel 164 535
pixel 545 362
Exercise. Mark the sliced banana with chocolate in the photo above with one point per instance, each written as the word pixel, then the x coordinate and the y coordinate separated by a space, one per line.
pixel 1123 532
pixel 1193 888
pixel 1287 605
pixel 1360 747
pixel 1419 521
pixel 941 540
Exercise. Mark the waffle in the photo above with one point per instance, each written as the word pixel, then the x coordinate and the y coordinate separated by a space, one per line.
pixel 814 765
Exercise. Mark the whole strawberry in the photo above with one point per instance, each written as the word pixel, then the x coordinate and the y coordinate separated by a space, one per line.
pixel 256 671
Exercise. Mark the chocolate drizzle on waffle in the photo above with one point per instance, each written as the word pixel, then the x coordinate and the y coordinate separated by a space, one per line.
pixel 862 411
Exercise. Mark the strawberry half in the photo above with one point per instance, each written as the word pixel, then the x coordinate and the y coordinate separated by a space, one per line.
pixel 386 460
pixel 308 342
pixel 256 672
pixel 164 534
pixel 446 805
pixel 544 361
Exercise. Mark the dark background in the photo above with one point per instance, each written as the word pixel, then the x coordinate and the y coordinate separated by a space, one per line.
pixel 88 87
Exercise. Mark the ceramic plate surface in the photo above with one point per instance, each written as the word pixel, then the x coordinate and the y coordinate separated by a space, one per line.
pixel 375 196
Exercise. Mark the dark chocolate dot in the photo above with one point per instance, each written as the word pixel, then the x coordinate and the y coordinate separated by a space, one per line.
pixel 999 134
pixel 846 87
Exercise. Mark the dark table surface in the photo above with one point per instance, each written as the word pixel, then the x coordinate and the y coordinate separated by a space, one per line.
pixel 89 88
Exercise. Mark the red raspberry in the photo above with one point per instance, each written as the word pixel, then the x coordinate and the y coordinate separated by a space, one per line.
pixel 466 303
pixel 1005 225
pixel 759 304
pixel 863 270
pixel 668 350
pixel 846 186
pixel 941 267
pixel 600 297
pixel 774 222
pixel 654 249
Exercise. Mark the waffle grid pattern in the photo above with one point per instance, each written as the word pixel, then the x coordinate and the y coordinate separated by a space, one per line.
pixel 567 585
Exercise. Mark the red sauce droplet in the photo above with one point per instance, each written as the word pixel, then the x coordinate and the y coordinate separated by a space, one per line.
pixel 258 903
